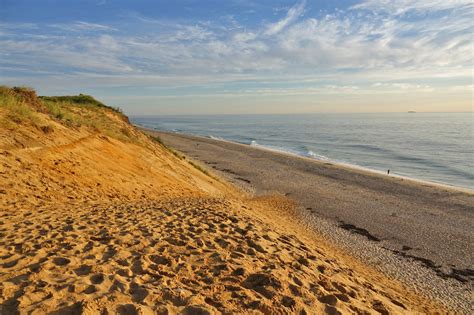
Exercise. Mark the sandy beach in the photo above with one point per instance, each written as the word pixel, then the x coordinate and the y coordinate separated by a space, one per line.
pixel 236 157
pixel 97 217
pixel 417 232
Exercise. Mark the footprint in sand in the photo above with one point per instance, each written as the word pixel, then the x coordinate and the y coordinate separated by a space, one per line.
pixel 83 270
pixel 97 278
pixel 61 261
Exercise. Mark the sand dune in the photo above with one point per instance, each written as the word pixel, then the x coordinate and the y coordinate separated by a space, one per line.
pixel 92 224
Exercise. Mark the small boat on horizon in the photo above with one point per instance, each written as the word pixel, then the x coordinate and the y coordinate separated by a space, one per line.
pixel 411 112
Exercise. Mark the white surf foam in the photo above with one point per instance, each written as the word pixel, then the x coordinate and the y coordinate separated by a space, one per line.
pixel 216 138
pixel 309 153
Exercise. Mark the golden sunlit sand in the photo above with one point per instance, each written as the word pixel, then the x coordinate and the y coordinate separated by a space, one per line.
pixel 100 218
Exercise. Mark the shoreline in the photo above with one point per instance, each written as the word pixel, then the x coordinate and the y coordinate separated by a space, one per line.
pixel 349 166
pixel 366 214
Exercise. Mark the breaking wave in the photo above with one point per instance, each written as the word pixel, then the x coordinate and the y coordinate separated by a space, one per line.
pixel 304 153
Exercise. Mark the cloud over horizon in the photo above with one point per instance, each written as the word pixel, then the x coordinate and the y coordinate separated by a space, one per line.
pixel 302 48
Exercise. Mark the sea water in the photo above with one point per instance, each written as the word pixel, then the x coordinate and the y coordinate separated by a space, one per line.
pixel 436 147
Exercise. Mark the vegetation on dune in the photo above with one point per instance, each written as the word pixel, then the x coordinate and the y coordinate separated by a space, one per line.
pixel 199 168
pixel 171 150
pixel 20 105
pixel 81 99
pixel 14 102
pixel 158 140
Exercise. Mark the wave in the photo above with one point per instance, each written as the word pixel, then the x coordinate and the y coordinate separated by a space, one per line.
pixel 215 138
pixel 304 153
pixel 316 156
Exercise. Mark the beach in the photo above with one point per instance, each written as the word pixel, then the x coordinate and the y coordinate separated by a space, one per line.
pixel 236 157
pixel 98 217
pixel 418 232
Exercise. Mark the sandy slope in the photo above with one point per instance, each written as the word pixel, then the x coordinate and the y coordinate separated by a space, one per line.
pixel 90 224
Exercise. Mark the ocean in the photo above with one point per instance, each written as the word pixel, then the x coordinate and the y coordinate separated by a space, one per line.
pixel 435 147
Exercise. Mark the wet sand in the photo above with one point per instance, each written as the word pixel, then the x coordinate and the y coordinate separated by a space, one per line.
pixel 396 222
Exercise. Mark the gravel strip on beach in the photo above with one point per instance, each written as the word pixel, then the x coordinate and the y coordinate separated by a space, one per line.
pixel 454 294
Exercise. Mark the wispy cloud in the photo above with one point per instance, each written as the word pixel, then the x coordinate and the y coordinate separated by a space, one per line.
pixel 400 7
pixel 384 45
pixel 394 86
pixel 293 13
pixel 469 88
pixel 81 26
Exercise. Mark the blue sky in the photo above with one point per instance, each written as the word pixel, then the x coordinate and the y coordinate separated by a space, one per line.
pixel 244 56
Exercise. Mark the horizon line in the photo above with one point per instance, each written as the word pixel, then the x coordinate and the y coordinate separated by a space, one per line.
pixel 300 113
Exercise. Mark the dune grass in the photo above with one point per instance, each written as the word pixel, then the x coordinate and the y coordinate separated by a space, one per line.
pixel 180 156
pixel 22 105
pixel 93 115
pixel 81 99
pixel 16 109
pixel 170 149
pixel 15 105
pixel 199 168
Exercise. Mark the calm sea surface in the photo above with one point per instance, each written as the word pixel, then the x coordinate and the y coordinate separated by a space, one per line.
pixel 437 147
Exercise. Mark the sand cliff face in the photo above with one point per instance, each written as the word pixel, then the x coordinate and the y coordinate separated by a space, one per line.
pixel 101 218
pixel 43 159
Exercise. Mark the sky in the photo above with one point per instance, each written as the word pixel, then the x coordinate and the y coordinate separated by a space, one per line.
pixel 153 57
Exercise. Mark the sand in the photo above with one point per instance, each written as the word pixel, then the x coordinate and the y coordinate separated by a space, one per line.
pixel 189 255
pixel 93 225
pixel 418 232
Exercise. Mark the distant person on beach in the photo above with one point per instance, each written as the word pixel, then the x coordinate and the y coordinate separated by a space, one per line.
pixel 388 172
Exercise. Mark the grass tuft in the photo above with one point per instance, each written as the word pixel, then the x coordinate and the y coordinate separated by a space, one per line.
pixel 199 168
pixel 12 101
pixel 158 140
